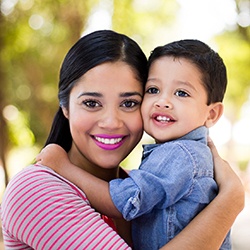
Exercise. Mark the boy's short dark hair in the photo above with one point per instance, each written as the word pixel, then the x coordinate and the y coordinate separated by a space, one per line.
pixel 210 64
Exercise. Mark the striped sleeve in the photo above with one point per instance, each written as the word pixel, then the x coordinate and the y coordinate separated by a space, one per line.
pixel 42 210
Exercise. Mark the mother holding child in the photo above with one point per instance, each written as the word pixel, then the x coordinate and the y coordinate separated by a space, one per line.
pixel 101 88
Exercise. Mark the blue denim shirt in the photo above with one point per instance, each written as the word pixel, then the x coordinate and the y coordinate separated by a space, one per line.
pixel 173 184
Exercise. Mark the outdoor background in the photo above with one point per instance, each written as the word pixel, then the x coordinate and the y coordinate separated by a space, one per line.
pixel 36 34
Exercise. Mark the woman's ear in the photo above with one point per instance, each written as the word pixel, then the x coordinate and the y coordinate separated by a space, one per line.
pixel 215 112
pixel 65 112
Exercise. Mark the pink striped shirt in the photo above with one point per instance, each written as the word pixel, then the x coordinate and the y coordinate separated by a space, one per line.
pixel 42 210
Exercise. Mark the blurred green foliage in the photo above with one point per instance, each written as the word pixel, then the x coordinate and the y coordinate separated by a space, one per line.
pixel 235 51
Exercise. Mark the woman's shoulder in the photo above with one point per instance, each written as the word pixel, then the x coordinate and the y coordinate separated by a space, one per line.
pixel 38 204
pixel 37 180
pixel 34 174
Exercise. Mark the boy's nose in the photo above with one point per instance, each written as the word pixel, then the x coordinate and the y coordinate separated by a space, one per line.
pixel 163 103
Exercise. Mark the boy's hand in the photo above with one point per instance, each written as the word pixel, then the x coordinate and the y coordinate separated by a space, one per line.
pixel 53 156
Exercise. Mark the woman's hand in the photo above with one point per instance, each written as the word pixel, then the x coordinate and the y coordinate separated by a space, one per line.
pixel 225 177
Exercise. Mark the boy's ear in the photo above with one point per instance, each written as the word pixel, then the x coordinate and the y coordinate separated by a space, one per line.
pixel 216 111
pixel 65 112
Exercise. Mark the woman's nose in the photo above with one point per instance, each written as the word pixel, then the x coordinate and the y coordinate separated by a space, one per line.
pixel 110 120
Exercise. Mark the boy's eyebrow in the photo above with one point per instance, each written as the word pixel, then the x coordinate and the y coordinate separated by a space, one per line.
pixel 187 84
pixel 151 79
pixel 182 82
pixel 96 94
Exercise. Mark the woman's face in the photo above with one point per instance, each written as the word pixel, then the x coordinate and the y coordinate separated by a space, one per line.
pixel 104 116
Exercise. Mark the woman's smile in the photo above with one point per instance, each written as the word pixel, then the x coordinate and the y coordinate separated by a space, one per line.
pixel 109 142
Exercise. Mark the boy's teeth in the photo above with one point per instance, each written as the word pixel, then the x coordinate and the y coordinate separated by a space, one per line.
pixel 162 118
pixel 108 141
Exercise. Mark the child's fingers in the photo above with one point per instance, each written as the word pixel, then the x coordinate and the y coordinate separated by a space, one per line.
pixel 39 156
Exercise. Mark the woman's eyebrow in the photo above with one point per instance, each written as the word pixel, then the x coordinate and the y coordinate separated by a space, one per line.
pixel 128 94
pixel 94 94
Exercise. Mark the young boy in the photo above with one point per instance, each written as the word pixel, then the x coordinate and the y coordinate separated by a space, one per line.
pixel 183 98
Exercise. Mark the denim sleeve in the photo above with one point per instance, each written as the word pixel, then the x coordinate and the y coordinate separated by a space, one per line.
pixel 162 180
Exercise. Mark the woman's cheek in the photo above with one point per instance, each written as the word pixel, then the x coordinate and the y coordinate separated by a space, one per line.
pixel 137 124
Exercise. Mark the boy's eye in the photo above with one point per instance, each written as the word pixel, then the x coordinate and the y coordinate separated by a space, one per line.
pixel 181 93
pixel 91 104
pixel 152 90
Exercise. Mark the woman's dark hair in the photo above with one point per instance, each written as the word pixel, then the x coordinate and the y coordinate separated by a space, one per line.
pixel 210 64
pixel 90 51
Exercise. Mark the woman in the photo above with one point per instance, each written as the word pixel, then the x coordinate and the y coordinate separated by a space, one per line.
pixel 98 124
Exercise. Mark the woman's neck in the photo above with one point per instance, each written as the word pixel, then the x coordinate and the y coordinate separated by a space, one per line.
pixel 83 163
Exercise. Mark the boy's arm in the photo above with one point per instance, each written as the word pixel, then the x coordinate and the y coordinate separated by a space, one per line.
pixel 96 189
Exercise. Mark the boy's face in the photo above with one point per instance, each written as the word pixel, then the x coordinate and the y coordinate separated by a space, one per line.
pixel 175 99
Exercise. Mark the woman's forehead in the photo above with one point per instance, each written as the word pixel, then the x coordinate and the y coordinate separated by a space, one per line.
pixel 112 75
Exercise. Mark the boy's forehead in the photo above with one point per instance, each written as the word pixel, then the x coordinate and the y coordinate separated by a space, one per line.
pixel 179 70
pixel 166 63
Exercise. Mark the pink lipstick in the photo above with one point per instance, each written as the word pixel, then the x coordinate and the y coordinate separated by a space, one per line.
pixel 108 142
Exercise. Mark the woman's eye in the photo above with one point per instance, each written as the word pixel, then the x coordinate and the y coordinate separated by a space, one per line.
pixel 181 93
pixel 152 90
pixel 91 104
pixel 130 104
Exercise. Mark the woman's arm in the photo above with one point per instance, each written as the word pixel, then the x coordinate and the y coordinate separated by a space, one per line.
pixel 209 228
pixel 96 189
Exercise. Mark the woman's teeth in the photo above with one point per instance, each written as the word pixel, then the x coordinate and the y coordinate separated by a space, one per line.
pixel 108 141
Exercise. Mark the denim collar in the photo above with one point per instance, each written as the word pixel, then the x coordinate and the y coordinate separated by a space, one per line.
pixel 199 134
